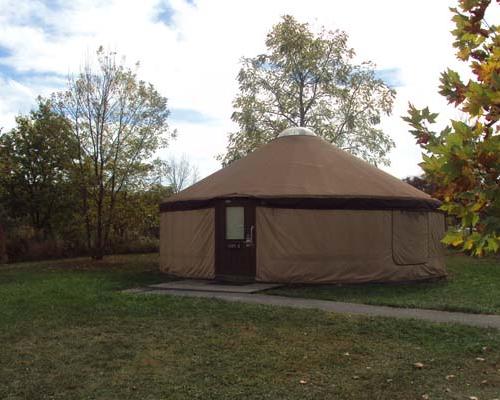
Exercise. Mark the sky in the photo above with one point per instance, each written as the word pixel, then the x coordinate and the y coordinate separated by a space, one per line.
pixel 190 50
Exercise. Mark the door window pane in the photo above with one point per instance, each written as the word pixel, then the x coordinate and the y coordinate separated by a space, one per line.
pixel 235 223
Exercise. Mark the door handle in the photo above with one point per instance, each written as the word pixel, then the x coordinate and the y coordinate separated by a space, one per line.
pixel 249 241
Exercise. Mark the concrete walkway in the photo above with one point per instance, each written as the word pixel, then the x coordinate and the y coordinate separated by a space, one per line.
pixel 481 320
pixel 214 286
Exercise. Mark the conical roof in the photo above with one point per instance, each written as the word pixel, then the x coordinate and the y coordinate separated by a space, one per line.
pixel 305 166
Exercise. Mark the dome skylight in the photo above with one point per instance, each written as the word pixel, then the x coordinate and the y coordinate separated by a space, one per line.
pixel 297 131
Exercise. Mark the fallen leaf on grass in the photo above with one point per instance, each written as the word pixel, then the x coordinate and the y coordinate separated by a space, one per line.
pixel 150 362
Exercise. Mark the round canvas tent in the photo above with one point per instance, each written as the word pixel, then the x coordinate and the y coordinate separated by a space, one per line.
pixel 299 209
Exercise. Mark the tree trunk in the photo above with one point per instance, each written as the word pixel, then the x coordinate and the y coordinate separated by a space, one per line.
pixel 87 218
pixel 109 222
pixel 98 253
pixel 3 245
pixel 302 111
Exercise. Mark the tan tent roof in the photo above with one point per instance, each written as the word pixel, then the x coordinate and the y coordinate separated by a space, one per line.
pixel 306 167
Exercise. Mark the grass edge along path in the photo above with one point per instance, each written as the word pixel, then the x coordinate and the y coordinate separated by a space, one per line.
pixel 479 320
pixel 472 286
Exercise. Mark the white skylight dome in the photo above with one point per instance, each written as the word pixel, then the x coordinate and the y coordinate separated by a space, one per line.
pixel 297 131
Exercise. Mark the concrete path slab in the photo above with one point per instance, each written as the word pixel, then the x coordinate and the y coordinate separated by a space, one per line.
pixel 214 286
pixel 481 320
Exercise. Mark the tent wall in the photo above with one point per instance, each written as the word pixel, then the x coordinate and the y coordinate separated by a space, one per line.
pixel 437 230
pixel 325 246
pixel 187 243
pixel 410 237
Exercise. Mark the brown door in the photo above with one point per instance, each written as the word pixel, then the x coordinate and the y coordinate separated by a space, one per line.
pixel 235 240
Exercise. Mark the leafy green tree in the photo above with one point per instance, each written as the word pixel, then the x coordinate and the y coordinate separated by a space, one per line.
pixel 463 159
pixel 137 222
pixel 35 159
pixel 421 183
pixel 118 122
pixel 137 215
pixel 308 79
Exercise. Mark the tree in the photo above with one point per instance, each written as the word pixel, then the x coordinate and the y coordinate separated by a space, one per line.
pixel 36 159
pixel 118 122
pixel 308 79
pixel 421 183
pixel 137 214
pixel 463 159
pixel 178 173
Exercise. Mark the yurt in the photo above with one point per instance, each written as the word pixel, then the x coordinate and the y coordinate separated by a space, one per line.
pixel 300 210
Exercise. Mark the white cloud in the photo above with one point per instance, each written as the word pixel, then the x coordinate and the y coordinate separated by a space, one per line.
pixel 194 61
pixel 18 98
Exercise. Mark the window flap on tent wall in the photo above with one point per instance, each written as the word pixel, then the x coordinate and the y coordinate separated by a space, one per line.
pixel 410 232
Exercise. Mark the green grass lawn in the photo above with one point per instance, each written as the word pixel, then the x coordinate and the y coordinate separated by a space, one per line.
pixel 473 285
pixel 66 332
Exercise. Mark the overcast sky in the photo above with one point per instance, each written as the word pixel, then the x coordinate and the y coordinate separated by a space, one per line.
pixel 190 50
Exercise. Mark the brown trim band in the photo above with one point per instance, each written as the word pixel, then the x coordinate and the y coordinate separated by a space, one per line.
pixel 331 203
